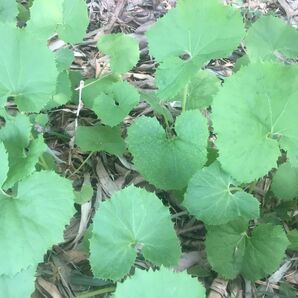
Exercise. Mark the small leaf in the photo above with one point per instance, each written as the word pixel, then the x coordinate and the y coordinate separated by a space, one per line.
pixel 32 87
pixel 84 195
pixel 64 58
pixel 270 38
pixel 293 238
pixel 123 50
pixel 100 138
pixel 123 226
pixel 168 162
pixel 162 283
pixel 210 197
pixel 20 285
pixel 75 21
pixel 8 11
pixel 23 215
pixel 285 182
pixel 184 48
pixel 114 104
pixel 254 115
pixel 231 251
pixel 4 164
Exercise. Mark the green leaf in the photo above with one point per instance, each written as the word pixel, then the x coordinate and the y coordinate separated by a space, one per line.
pixel 20 285
pixel 115 104
pixel 231 251
pixel 168 162
pixel 32 87
pixel 24 215
pixel 162 283
pixel 64 58
pixel 285 182
pixel 212 197
pixel 293 238
pixel 75 21
pixel 192 19
pixel 123 50
pixel 8 11
pixel 84 195
pixel 100 138
pixel 123 226
pixel 4 164
pixel 254 115
pixel 201 90
pixel 270 38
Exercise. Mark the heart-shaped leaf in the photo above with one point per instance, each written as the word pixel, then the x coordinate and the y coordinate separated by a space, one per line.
pixel 168 162
pixel 123 226
pixel 22 215
pixel 114 104
pixel 254 115
pixel 213 198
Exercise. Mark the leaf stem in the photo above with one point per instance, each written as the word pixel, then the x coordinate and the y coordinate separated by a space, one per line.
pixel 82 164
pixel 4 193
pixel 185 94
pixel 97 292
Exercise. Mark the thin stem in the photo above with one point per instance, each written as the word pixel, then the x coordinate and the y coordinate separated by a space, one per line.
pixel 97 292
pixel 82 164
pixel 185 94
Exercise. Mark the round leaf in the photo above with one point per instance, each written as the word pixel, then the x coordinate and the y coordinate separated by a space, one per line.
pixel 112 106
pixel 123 226
pixel 168 162
pixel 24 216
pixel 194 40
pixel 162 283
pixel 123 50
pixel 231 251
pixel 25 78
pixel 285 182
pixel 254 114
pixel 211 198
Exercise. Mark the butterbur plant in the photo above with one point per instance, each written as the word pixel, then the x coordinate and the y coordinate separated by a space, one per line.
pixel 249 121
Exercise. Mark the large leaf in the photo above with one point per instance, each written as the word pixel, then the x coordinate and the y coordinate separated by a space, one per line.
pixel 114 104
pixel 270 38
pixel 23 61
pixel 22 154
pixel 123 226
pixel 75 21
pixel 163 283
pixel 64 58
pixel 231 250
pixel 213 198
pixel 4 164
pixel 168 162
pixel 24 215
pixel 123 50
pixel 285 182
pixel 20 285
pixel 8 11
pixel 254 115
pixel 100 138
pixel 203 30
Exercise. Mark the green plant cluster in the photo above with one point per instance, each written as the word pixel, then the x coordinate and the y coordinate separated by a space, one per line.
pixel 253 115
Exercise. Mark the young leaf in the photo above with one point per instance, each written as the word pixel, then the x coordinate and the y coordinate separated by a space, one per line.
pixel 162 283
pixel 84 195
pixel 32 87
pixel 8 11
pixel 100 138
pixel 285 182
pixel 123 226
pixel 270 38
pixel 75 21
pixel 115 104
pixel 211 198
pixel 64 58
pixel 20 285
pixel 4 164
pixel 254 114
pixel 123 50
pixel 231 251
pixel 23 215
pixel 185 47
pixel 168 162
